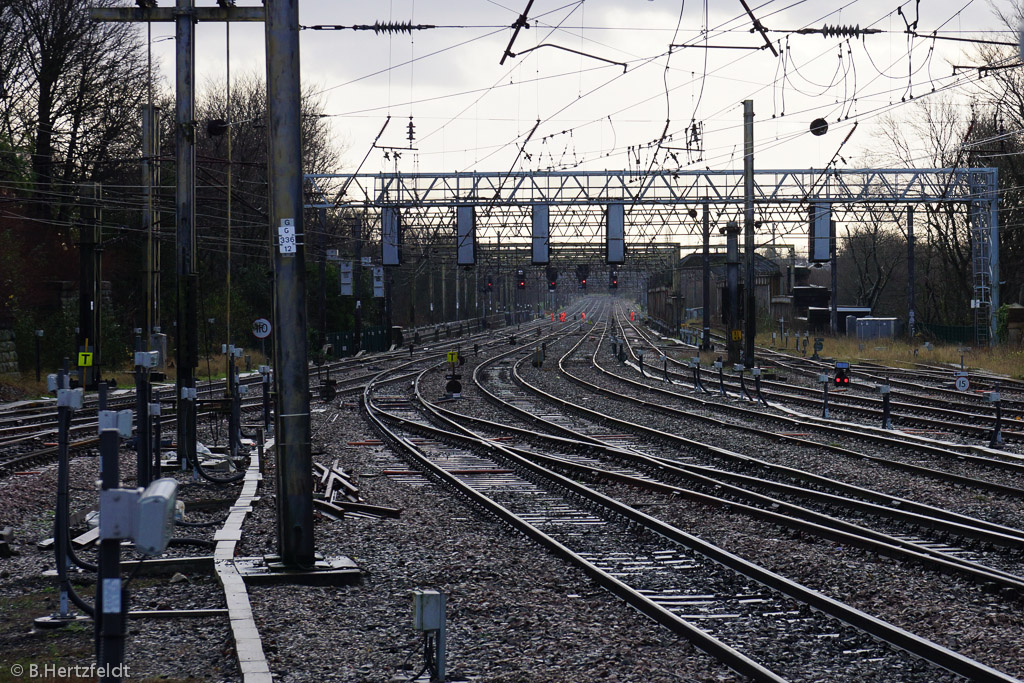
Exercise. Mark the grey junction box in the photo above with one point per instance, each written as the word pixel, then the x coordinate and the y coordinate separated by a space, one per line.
pixel 428 610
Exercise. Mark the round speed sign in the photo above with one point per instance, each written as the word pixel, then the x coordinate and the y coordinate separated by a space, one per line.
pixel 261 328
pixel 962 384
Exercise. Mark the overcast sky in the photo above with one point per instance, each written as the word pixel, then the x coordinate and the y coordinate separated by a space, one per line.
pixel 472 114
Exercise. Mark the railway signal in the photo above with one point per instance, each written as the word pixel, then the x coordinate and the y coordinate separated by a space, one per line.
pixel 582 272
pixel 552 278
pixel 520 278
pixel 614 281
pixel 842 373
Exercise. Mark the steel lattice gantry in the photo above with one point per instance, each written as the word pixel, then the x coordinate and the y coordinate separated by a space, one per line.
pixel 662 206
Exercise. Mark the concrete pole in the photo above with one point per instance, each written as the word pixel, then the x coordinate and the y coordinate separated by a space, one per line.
pixel 444 293
pixel 89 277
pixel 321 256
pixel 750 288
pixel 187 343
pixel 992 206
pixel 706 268
pixel 388 341
pixel 911 313
pixel 291 370
pixel 834 312
pixel 357 283
pixel 732 260
pixel 150 152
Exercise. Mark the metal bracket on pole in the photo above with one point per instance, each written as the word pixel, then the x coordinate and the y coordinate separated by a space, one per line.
pixel 756 372
pixel 741 368
pixel 884 390
pixel 110 595
pixel 997 429
pixel 823 380
pixel 68 401
pixel 144 362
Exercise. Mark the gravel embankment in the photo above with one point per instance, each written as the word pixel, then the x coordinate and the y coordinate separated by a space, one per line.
pixel 514 612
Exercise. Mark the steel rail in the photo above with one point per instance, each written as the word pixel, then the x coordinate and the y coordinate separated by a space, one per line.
pixel 816 522
pixel 921 647
pixel 789 472
pixel 847 433
pixel 722 652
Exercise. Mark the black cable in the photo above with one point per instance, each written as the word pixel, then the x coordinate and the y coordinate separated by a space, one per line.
pixel 75 598
pixel 135 572
pixel 84 564
pixel 230 479
pixel 181 522
pixel 188 540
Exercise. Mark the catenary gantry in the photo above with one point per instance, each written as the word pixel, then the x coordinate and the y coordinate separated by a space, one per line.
pixel 661 206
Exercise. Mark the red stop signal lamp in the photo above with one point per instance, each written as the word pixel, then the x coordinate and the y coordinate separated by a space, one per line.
pixel 842 373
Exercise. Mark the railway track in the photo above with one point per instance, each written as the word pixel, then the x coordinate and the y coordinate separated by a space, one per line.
pixel 730 608
pixel 942 410
pixel 28 434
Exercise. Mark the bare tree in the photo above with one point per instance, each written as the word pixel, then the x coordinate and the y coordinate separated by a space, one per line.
pixel 874 253
pixel 936 134
pixel 249 186
pixel 70 88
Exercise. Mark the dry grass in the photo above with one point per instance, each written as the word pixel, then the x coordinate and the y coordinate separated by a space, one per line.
pixel 1004 360
pixel 19 387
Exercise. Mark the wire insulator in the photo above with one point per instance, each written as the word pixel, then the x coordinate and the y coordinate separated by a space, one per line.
pixel 841 31
pixel 393 27
pixel 377 27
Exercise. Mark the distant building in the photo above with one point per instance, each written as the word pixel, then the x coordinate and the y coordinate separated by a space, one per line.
pixel 674 297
